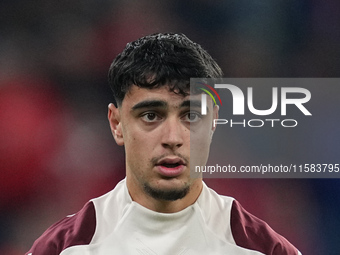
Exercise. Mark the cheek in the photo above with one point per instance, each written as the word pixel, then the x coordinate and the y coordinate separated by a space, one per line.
pixel 200 140
pixel 137 157
pixel 138 147
pixel 199 149
pixel 200 144
pixel 137 141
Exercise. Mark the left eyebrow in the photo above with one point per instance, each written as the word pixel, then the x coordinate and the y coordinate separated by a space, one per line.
pixel 191 103
pixel 163 104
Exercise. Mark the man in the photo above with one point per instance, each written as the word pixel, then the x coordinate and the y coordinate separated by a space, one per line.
pixel 159 208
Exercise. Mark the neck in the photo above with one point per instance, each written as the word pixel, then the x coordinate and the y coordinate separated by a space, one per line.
pixel 141 197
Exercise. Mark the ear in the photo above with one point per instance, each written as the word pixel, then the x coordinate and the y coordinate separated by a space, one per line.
pixel 215 116
pixel 115 124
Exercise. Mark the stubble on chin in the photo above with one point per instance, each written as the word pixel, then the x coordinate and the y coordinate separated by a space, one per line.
pixel 166 194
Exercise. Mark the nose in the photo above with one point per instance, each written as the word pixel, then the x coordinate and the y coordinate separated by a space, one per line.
pixel 173 134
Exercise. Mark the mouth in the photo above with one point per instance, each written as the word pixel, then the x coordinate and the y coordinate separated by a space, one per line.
pixel 170 167
pixel 171 162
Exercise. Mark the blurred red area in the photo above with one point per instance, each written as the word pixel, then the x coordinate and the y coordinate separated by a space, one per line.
pixel 32 127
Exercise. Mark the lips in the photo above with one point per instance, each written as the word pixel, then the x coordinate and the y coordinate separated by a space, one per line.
pixel 170 167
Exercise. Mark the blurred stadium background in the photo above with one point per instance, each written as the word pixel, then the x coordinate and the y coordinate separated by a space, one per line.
pixel 56 150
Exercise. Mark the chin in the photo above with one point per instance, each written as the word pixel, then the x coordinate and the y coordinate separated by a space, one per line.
pixel 168 191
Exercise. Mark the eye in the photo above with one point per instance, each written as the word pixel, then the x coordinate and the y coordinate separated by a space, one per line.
pixel 150 117
pixel 192 117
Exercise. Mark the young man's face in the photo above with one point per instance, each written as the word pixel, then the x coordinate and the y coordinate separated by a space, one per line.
pixel 157 128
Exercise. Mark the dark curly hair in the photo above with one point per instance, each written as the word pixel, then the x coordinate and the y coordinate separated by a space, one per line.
pixel 160 59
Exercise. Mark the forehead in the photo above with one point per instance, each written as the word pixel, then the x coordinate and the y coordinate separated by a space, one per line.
pixel 163 93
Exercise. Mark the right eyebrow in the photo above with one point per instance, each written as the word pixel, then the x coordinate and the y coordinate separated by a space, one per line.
pixel 149 104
